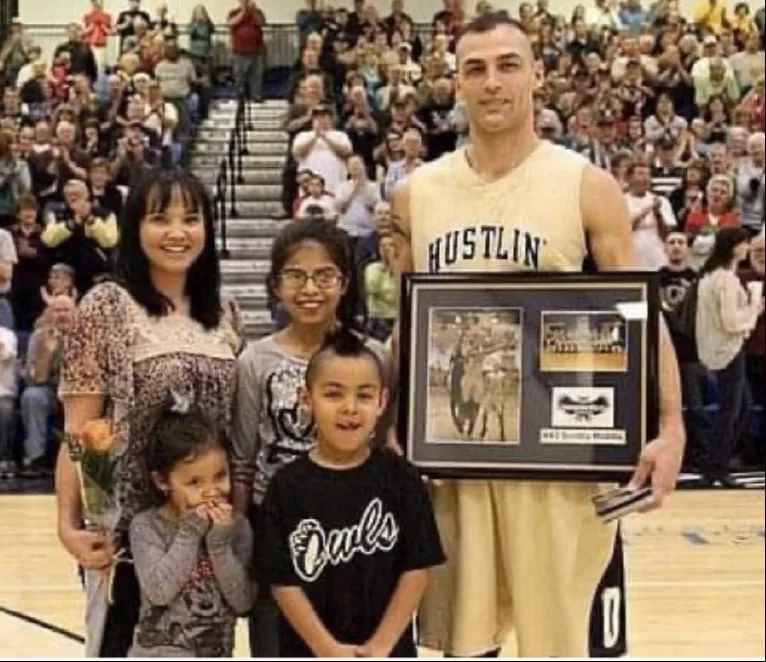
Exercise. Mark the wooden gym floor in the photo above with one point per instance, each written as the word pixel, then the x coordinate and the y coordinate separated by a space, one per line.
pixel 695 579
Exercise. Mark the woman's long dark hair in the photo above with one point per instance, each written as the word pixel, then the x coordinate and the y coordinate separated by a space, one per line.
pixel 203 282
pixel 726 240
pixel 351 311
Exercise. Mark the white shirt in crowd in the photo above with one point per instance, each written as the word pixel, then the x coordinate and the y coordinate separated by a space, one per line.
pixel 7 254
pixel 325 201
pixel 8 369
pixel 322 160
pixel 154 122
pixel 650 249
pixel 726 315
pixel 359 217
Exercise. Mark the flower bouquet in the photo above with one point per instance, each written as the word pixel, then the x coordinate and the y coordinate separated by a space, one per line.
pixel 93 454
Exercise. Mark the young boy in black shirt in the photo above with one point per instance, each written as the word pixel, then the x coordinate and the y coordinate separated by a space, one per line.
pixel 347 533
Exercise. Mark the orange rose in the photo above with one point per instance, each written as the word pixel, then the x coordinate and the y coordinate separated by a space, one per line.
pixel 97 435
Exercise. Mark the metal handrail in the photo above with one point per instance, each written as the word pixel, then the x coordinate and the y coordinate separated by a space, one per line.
pixel 219 208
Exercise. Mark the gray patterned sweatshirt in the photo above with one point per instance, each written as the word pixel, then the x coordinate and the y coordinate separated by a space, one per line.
pixel 194 582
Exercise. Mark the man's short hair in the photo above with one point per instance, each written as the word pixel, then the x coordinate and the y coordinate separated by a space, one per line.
pixel 487 22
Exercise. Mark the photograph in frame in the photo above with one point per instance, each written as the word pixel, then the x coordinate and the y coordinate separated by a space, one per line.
pixel 474 375
pixel 475 400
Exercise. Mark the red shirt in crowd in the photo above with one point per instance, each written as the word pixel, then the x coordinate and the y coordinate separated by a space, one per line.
pixel 698 220
pixel 247 32
pixel 98 25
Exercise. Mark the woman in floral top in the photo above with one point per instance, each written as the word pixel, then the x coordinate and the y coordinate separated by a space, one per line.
pixel 160 328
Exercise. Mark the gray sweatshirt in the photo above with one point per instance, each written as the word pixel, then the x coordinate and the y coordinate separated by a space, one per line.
pixel 194 582
pixel 271 428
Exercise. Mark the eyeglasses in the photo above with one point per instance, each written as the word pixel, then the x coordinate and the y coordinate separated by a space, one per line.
pixel 324 279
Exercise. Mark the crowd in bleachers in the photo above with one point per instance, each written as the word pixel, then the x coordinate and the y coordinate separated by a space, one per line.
pixel 672 104
pixel 77 130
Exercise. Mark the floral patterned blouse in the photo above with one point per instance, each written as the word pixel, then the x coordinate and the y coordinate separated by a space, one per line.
pixel 115 349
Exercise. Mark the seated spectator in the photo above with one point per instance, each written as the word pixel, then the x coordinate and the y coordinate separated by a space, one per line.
pixel 60 283
pixel 381 289
pixel 323 149
pixel 355 201
pixel 103 192
pixel 716 214
pixel 39 399
pixel 412 149
pixel 438 117
pixel 751 187
pixel 133 157
pixel 651 217
pixel 690 194
pixel 367 247
pixel 30 271
pixel 81 236
pixel 318 198
pixel 8 393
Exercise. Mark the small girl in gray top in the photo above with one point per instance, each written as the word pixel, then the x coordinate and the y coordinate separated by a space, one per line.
pixel 191 554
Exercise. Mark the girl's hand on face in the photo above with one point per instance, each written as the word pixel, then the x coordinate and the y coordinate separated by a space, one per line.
pixel 221 514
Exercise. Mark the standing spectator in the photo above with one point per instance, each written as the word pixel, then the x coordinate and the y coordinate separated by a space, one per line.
pixel 8 261
pixel 651 217
pixel 381 288
pixel 756 343
pixel 664 123
pixel 309 19
pixel 81 56
pixel 39 400
pixel 98 28
pixel 667 171
pixel 30 272
pixel 748 65
pixel 676 279
pixel 248 49
pixel 15 51
pixel 633 17
pixel 318 202
pixel 201 30
pixel 8 392
pixel 177 77
pixel 164 25
pixel 438 117
pixel 323 149
pixel 355 200
pixel 361 127
pixel 726 315
pixel 710 15
pixel 15 180
pixel 751 187
pixel 126 21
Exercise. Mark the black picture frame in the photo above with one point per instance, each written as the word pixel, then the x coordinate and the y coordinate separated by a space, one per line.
pixel 520 373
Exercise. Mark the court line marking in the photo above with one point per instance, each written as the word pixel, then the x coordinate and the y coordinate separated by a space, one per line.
pixel 42 624
pixel 690 583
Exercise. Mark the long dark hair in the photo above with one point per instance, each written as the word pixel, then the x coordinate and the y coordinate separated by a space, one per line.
pixel 204 278
pixel 351 311
pixel 726 240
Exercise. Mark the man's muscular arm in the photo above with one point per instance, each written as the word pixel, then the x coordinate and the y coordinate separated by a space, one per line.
pixel 607 224
pixel 402 264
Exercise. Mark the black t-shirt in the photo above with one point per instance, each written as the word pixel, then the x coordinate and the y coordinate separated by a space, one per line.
pixel 442 137
pixel 673 287
pixel 345 538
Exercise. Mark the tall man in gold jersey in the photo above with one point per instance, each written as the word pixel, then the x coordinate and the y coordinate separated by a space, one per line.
pixel 524 556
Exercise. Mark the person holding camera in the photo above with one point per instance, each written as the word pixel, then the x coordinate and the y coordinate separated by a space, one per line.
pixel 750 184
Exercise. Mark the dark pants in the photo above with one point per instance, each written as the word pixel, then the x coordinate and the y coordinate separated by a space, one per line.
pixel 122 616
pixel 263 621
pixel 732 422
pixel 694 377
pixel 756 377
